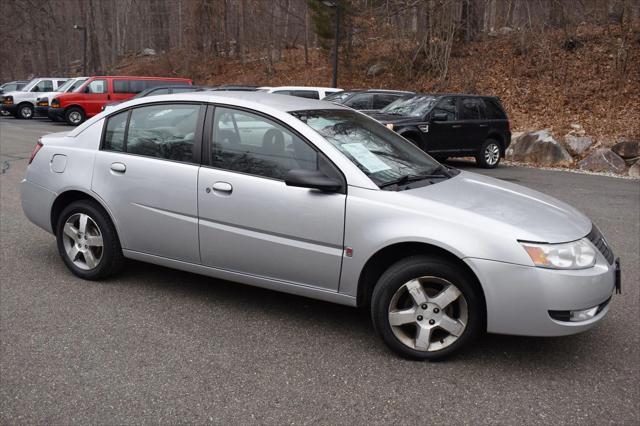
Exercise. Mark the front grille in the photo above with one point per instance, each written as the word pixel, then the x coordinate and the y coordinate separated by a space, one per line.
pixel 595 236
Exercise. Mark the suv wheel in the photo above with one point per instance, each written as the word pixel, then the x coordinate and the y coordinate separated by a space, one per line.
pixel 74 116
pixel 25 111
pixel 426 308
pixel 87 241
pixel 489 155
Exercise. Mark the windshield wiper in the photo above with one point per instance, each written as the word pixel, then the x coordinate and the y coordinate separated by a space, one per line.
pixel 411 178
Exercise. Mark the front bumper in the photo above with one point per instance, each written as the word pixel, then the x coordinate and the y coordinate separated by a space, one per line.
pixel 10 108
pixel 519 298
pixel 55 113
pixel 42 111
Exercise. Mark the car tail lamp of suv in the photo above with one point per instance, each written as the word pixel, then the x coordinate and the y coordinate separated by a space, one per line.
pixel 35 151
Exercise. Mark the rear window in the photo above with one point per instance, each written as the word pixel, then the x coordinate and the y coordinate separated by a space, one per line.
pixel 494 110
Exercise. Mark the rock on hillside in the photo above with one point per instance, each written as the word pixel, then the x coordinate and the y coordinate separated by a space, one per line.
pixel 603 160
pixel 538 147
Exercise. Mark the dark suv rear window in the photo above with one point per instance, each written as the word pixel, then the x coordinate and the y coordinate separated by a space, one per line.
pixel 493 109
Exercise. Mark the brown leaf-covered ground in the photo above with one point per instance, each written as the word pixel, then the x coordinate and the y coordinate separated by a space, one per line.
pixel 541 84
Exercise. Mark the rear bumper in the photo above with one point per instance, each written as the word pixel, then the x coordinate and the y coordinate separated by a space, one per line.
pixel 36 204
pixel 519 298
pixel 54 113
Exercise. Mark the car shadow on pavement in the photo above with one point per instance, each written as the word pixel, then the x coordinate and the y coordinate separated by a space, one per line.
pixel 344 322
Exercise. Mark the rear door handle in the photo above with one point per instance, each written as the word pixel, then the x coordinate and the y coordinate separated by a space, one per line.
pixel 456 126
pixel 118 167
pixel 222 187
pixel 483 125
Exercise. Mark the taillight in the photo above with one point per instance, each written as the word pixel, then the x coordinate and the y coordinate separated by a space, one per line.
pixel 35 151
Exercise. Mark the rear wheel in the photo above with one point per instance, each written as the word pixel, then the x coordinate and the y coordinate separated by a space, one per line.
pixel 426 308
pixel 25 111
pixel 489 154
pixel 74 116
pixel 87 241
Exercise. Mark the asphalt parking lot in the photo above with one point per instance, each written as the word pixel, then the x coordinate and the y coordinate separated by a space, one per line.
pixel 155 345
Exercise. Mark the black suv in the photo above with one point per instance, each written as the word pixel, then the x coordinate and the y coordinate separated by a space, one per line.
pixel 366 100
pixel 451 125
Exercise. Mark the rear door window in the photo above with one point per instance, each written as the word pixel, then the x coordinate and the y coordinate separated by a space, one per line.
pixel 471 109
pixel 166 131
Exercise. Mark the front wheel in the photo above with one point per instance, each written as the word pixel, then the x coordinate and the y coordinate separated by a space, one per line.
pixel 87 241
pixel 25 111
pixel 488 156
pixel 74 116
pixel 426 308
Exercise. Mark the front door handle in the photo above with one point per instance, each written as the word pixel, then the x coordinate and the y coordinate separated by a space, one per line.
pixel 222 187
pixel 456 126
pixel 118 167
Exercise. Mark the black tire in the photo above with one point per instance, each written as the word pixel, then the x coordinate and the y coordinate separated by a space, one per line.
pixel 409 269
pixel 111 260
pixel 25 111
pixel 75 116
pixel 486 156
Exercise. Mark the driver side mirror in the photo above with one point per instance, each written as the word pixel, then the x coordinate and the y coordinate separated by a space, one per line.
pixel 440 116
pixel 313 179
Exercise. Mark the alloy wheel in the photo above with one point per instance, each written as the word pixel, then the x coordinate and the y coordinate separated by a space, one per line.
pixel 492 154
pixel 428 314
pixel 26 112
pixel 75 117
pixel 83 241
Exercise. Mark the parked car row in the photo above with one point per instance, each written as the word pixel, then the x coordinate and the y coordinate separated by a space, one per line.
pixel 443 125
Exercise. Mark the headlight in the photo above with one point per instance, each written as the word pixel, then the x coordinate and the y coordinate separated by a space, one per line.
pixel 574 255
pixel 7 100
pixel 55 103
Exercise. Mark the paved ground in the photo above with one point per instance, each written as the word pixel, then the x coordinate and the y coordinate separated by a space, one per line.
pixel 161 346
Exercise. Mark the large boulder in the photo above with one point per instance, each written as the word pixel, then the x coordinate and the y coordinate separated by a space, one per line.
pixel 627 149
pixel 634 171
pixel 577 145
pixel 603 160
pixel 538 147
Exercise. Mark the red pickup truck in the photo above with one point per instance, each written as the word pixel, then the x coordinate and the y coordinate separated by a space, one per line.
pixel 89 99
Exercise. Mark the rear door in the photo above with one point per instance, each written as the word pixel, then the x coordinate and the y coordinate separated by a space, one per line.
pixel 147 173
pixel 472 114
pixel 250 221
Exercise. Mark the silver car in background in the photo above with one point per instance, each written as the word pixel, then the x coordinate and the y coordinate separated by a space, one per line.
pixel 318 200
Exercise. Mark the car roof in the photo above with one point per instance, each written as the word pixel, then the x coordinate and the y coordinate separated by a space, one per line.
pixel 140 77
pixel 258 99
pixel 300 88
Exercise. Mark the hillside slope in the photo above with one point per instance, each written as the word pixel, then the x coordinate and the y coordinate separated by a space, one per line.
pixel 542 83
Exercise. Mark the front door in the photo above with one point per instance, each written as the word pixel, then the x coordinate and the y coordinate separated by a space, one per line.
pixel 147 174
pixel 96 95
pixel 250 221
pixel 445 136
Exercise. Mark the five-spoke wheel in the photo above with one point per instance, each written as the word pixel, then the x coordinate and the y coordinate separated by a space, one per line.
pixel 426 307
pixel 87 240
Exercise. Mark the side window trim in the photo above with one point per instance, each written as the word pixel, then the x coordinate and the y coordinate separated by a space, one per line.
pixel 198 136
pixel 207 140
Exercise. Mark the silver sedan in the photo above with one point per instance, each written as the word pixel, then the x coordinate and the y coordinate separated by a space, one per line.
pixel 315 199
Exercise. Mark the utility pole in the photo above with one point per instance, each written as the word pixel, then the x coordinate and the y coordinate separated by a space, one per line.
pixel 84 48
pixel 335 4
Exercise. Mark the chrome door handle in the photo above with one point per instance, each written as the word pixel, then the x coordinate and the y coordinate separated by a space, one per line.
pixel 222 187
pixel 118 167
pixel 483 125
pixel 455 126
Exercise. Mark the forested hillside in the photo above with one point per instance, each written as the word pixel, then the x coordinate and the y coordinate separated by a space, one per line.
pixel 553 62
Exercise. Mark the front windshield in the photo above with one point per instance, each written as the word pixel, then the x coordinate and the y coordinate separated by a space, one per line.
pixel 30 85
pixel 383 155
pixel 72 85
pixel 412 106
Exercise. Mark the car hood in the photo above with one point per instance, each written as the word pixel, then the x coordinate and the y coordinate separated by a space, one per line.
pixel 391 118
pixel 527 214
pixel 48 95
pixel 15 94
